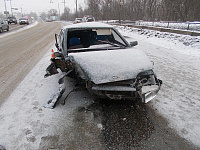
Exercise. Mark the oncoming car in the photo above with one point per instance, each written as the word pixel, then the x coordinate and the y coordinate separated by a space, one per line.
pixel 98 57
pixel 88 18
pixel 12 20
pixel 78 20
pixel 23 21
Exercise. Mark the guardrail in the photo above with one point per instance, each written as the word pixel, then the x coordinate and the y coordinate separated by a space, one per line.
pixel 187 28
pixel 191 26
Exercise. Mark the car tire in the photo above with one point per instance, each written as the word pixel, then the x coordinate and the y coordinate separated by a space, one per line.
pixel 8 28
pixel 1 30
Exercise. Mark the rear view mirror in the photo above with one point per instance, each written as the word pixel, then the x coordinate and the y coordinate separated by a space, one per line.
pixel 134 43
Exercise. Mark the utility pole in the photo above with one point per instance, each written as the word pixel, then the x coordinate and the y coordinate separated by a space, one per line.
pixel 64 6
pixel 11 7
pixel 120 8
pixel 59 9
pixel 76 10
pixel 21 12
pixel 5 8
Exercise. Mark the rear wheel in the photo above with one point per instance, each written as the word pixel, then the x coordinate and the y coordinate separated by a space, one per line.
pixel 8 28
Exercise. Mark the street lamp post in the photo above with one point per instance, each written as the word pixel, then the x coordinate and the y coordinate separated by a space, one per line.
pixel 76 10
pixel 11 7
pixel 21 12
pixel 5 8
pixel 120 7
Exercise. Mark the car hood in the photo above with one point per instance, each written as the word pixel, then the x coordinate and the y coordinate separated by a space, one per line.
pixel 111 65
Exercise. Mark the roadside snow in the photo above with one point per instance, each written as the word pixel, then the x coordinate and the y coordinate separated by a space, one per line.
pixel 25 27
pixel 177 59
pixel 24 120
pixel 184 44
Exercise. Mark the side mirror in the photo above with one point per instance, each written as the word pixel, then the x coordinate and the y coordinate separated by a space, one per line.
pixel 56 38
pixel 134 43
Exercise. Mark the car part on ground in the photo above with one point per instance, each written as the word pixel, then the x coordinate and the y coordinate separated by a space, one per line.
pixel 100 59
pixel 3 25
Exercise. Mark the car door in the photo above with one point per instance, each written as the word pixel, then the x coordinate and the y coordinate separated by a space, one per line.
pixel 4 25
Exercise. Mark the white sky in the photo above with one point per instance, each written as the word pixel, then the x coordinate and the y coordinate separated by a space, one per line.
pixel 38 6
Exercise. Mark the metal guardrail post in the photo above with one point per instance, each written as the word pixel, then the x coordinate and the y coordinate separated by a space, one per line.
pixel 188 26
pixel 168 25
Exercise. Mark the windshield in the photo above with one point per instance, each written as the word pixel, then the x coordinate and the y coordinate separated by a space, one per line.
pixel 22 19
pixel 81 40
pixel 11 17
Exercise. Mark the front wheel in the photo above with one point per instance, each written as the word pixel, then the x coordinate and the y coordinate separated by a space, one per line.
pixel 1 30
pixel 8 28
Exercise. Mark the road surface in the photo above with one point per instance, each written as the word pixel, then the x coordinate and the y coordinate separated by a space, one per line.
pixel 19 52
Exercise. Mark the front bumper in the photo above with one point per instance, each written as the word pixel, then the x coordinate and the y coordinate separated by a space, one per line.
pixel 146 93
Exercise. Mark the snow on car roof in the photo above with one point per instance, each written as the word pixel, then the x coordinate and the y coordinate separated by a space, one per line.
pixel 88 25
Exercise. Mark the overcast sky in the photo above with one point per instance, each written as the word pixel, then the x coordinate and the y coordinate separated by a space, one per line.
pixel 38 6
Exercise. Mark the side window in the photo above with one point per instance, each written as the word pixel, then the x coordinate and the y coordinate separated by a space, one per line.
pixel 117 38
pixel 60 40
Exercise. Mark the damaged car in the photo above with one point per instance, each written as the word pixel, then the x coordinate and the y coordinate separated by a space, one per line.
pixel 98 57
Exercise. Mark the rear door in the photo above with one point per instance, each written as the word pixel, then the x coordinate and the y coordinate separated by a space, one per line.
pixel 4 25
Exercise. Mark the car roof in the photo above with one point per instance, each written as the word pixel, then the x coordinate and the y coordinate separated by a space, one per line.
pixel 88 25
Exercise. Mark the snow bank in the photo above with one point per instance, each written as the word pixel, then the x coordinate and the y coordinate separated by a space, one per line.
pixel 185 44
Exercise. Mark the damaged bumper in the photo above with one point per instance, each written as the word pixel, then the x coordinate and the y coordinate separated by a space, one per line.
pixel 146 93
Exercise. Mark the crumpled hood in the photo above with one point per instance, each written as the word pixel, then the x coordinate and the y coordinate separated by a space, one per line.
pixel 112 65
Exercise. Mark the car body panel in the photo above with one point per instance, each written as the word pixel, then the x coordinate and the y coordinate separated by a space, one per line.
pixel 113 65
pixel 3 25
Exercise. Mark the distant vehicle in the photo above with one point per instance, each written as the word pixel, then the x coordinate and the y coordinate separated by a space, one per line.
pixel 88 18
pixel 48 20
pixel 12 20
pixel 3 25
pixel 23 21
pixel 78 20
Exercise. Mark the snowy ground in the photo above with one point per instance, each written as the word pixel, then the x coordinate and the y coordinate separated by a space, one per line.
pixel 176 63
pixel 177 59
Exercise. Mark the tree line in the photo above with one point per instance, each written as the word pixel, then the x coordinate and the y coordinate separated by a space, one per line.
pixel 147 10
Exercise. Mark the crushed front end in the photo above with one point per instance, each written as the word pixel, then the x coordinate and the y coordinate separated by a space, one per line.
pixel 144 87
